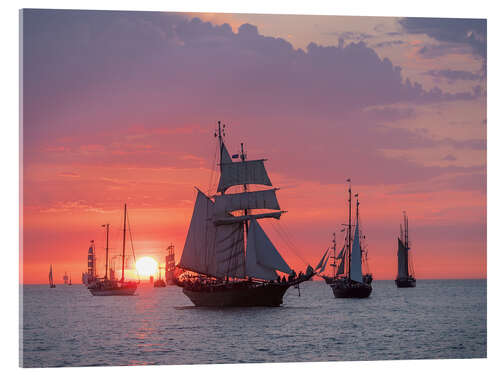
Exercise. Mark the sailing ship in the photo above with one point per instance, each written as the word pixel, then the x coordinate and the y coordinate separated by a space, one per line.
pixel 349 281
pixel 406 274
pixel 90 276
pixel 51 279
pixel 159 282
pixel 170 266
pixel 231 259
pixel 65 278
pixel 70 280
pixel 109 286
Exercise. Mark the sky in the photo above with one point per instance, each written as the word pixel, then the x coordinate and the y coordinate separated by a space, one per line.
pixel 122 106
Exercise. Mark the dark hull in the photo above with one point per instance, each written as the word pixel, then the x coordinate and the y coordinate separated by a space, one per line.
pixel 350 289
pixel 263 295
pixel 113 289
pixel 406 283
pixel 242 294
pixel 367 279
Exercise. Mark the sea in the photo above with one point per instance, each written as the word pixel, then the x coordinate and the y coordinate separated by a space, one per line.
pixel 67 326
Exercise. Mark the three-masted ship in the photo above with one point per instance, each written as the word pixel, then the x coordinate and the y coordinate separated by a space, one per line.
pixel 406 274
pixel 110 286
pixel 232 260
pixel 349 281
pixel 170 266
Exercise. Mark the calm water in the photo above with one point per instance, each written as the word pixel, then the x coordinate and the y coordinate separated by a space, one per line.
pixel 66 326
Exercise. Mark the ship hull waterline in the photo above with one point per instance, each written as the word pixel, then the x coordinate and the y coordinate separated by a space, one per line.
pixel 367 279
pixel 128 290
pixel 406 283
pixel 241 295
pixel 351 290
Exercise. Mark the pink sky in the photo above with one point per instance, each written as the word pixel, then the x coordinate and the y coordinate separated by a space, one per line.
pixel 121 107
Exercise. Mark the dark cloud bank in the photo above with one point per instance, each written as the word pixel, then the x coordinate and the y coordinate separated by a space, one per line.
pixel 117 70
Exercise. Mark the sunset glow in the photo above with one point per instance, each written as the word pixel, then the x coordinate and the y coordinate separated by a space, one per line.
pixel 122 107
pixel 147 266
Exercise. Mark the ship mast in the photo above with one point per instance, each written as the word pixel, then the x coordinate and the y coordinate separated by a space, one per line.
pixel 334 248
pixel 220 134
pixel 123 249
pixel 107 249
pixel 349 228
pixel 245 188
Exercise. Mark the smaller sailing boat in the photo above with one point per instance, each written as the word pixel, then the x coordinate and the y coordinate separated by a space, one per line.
pixel 70 280
pixel 109 286
pixel 51 279
pixel 349 281
pixel 406 274
pixel 159 282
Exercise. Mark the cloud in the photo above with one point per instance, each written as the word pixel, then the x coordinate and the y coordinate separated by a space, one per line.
pixel 91 77
pixel 69 174
pixel 467 32
pixel 454 75
pixel 449 157
pixel 389 43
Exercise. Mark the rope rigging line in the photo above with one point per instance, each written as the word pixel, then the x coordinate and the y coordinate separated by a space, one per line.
pixel 287 240
pixel 132 246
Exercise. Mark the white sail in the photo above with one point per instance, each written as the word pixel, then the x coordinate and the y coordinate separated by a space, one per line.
pixel 355 265
pixel 252 267
pixel 266 254
pixel 322 261
pixel 402 260
pixel 247 200
pixel 230 250
pixel 225 157
pixel 243 172
pixel 199 250
pixel 239 219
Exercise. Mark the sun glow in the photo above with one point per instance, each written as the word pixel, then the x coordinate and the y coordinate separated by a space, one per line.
pixel 146 266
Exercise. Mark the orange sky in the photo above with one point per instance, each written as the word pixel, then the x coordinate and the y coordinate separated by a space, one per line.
pixel 122 108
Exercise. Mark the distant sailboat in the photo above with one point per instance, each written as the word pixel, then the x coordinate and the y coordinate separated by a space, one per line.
pixel 170 266
pixel 406 274
pixel 229 270
pixel 90 276
pixel 70 280
pixel 51 279
pixel 110 287
pixel 349 281
pixel 159 282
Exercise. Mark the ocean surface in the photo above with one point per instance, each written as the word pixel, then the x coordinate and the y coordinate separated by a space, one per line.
pixel 67 326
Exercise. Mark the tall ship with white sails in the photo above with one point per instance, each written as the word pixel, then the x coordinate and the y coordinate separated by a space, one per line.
pixel 406 273
pixel 233 260
pixel 349 280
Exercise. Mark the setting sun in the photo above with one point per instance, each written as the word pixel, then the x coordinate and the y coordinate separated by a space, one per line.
pixel 146 266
